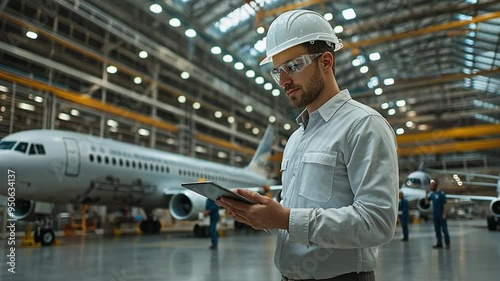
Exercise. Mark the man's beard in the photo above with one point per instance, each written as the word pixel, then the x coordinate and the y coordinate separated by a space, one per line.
pixel 314 88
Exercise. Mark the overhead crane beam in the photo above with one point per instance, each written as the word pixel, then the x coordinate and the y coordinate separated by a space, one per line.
pixel 450 147
pixel 460 132
pixel 261 13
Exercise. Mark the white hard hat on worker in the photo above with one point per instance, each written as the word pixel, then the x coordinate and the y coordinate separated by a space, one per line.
pixel 296 27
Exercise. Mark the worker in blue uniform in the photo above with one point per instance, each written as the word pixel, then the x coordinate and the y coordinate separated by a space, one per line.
pixel 403 212
pixel 212 210
pixel 438 199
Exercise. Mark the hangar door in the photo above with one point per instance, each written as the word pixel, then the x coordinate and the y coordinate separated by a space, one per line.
pixel 72 157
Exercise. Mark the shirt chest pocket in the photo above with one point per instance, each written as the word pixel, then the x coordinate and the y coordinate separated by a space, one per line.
pixel 317 175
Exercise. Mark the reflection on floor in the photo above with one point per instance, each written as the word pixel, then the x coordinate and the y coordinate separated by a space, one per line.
pixel 473 255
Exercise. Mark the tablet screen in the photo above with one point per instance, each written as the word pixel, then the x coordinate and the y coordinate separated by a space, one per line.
pixel 214 191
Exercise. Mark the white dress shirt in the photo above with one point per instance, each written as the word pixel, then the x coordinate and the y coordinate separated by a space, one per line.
pixel 340 181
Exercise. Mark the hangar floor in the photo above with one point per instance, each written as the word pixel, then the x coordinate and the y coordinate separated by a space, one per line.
pixel 474 255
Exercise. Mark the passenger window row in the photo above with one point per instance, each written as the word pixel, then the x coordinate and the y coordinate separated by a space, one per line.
pixel 128 163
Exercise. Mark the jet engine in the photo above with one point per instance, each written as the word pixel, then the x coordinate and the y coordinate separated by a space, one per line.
pixel 495 207
pixel 187 205
pixel 423 206
pixel 26 209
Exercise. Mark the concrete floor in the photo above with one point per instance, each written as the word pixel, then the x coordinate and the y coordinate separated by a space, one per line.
pixel 474 255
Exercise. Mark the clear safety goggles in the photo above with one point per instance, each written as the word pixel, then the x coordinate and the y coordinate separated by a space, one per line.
pixel 293 66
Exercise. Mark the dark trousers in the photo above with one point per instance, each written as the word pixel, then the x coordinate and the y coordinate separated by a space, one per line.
pixel 441 224
pixel 353 276
pixel 404 225
pixel 213 230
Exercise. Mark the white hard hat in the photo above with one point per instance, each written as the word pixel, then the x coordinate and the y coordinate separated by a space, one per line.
pixel 296 27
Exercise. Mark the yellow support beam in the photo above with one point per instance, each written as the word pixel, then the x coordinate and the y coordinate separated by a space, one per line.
pixel 224 144
pixel 450 147
pixel 461 132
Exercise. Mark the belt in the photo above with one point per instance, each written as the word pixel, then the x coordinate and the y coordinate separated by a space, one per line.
pixel 353 276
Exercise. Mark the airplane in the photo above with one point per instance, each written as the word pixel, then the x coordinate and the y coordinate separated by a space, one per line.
pixel 418 181
pixel 67 167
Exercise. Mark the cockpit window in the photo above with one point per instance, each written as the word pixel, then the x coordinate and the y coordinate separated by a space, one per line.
pixel 413 182
pixel 7 145
pixel 32 150
pixel 40 148
pixel 21 147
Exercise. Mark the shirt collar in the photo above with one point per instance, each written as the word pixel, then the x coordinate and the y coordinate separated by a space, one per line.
pixel 328 109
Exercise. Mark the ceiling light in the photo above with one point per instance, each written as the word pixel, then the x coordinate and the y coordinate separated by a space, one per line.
pixel 239 66
pixel 221 154
pixel 4 89
pixel 227 58
pixel 75 112
pixel 400 103
pixel 364 69
pixel 170 141
pixel 112 123
pixel 137 80
pixel 38 99
pixel 250 73
pixel 111 69
pixel 143 54
pixel 249 108
pixel 391 111
pixel 185 75
pixel 356 62
pixel 216 50
pixel 411 113
pixel 400 131
pixel 349 14
pixel 196 105
pixel 218 114
pixel 31 35
pixel 423 127
pixel 328 16
pixel 143 132
pixel 276 92
pixel 338 29
pixel 259 80
pixel 155 8
pixel 248 125
pixel 261 30
pixel 268 86
pixel 200 149
pixel 374 56
pixel 409 124
pixel 255 131
pixel 174 22
pixel 230 119
pixel 272 119
pixel 378 91
pixel 384 105
pixel 181 99
pixel 287 126
pixel 190 33
pixel 64 116
pixel 26 106
pixel 388 81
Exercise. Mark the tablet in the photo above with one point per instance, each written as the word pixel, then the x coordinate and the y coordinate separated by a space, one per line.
pixel 214 191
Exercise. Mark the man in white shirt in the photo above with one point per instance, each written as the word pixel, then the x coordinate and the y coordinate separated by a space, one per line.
pixel 339 168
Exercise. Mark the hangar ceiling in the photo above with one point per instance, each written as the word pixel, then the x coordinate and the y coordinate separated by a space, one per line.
pixel 432 68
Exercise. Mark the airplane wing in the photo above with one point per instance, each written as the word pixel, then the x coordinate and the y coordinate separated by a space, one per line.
pixel 471 197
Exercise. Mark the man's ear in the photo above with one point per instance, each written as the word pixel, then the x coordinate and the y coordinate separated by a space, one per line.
pixel 327 60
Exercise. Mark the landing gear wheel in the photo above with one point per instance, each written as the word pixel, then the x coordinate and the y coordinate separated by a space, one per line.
pixel 47 237
pixel 492 223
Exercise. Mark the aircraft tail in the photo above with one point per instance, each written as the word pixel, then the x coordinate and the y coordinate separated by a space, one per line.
pixel 260 160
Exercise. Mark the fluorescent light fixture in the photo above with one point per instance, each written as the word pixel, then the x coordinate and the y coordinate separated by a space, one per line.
pixel 248 125
pixel 216 50
pixel 364 69
pixel 31 35
pixel 190 33
pixel 349 14
pixel 338 29
pixel 400 103
pixel 378 91
pixel 227 58
pixel 4 89
pixel 218 114
pixel 143 132
pixel 259 80
pixel 230 119
pixel 185 75
pixel 374 56
pixel 272 119
pixel 388 81
pixel 239 65
pixel 64 116
pixel 328 16
pixel 248 108
pixel 181 99
pixel 221 154
pixel 260 45
pixel 174 22
pixel 356 62
pixel 38 99
pixel 170 141
pixel 250 73
pixel 137 80
pixel 112 123
pixel 400 131
pixel 75 112
pixel 276 92
pixel 26 106
pixel 287 126
pixel 155 8
pixel 261 30
pixel 255 131
pixel 200 149
pixel 409 124
pixel 391 111
pixel 143 54
pixel 196 105
pixel 268 86
pixel 384 105
pixel 111 69
pixel 423 127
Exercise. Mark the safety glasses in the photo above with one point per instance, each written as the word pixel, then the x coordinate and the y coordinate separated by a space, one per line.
pixel 293 66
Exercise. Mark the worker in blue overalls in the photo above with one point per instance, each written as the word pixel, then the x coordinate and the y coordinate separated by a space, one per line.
pixel 438 199
pixel 403 212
